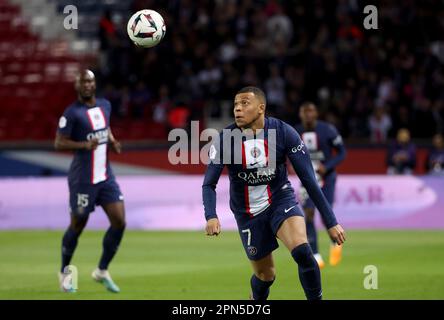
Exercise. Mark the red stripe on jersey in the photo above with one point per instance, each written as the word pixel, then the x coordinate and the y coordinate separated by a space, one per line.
pixel 103 115
pixel 92 166
pixel 266 163
pixel 92 151
pixel 247 202
pixel 246 195
pixel 106 162
pixel 269 193
pixel 90 120
pixel 244 161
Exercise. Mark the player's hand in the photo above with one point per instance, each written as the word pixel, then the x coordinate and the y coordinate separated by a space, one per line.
pixel 321 169
pixel 92 144
pixel 213 227
pixel 116 146
pixel 337 234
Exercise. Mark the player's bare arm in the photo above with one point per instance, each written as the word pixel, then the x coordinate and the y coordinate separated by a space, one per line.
pixel 321 169
pixel 115 144
pixel 64 143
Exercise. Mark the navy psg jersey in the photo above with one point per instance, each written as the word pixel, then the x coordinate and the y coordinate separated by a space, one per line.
pixel 321 142
pixel 258 172
pixel 82 123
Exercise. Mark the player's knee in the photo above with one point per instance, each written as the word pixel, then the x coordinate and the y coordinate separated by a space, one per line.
pixel 303 255
pixel 119 223
pixel 309 215
pixel 296 241
pixel 78 225
pixel 267 274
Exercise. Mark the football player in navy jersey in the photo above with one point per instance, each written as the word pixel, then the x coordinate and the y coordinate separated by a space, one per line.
pixel 321 139
pixel 261 196
pixel 84 129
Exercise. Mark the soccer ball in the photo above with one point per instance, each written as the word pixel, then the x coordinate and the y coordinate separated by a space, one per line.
pixel 146 28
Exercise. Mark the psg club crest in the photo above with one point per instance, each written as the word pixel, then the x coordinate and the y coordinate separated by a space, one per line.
pixel 255 152
pixel 252 250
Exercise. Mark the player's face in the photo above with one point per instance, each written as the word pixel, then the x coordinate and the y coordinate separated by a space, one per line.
pixel 403 136
pixel 438 141
pixel 86 85
pixel 308 114
pixel 247 109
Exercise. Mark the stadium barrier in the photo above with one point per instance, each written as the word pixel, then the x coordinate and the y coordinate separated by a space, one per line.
pixel 173 202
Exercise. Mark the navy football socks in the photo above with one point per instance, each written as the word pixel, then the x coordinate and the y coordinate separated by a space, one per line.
pixel 260 289
pixel 309 273
pixel 69 244
pixel 111 242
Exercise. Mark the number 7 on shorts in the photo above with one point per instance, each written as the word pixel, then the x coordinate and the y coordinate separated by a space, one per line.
pixel 248 232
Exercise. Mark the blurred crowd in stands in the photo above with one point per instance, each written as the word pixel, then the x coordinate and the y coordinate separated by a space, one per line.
pixel 369 83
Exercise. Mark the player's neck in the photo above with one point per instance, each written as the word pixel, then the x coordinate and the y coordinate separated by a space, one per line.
pixel 309 125
pixel 90 102
pixel 258 124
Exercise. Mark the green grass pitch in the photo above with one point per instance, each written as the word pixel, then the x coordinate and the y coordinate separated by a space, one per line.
pixel 190 265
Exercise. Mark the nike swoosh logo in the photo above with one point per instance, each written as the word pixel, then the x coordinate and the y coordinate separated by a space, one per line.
pixel 254 163
pixel 286 210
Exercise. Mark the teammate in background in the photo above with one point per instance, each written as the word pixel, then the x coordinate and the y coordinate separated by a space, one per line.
pixel 321 139
pixel 84 128
pixel 261 197
pixel 435 158
pixel 401 155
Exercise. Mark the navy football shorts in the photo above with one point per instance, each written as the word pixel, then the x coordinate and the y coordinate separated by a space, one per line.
pixel 258 233
pixel 84 197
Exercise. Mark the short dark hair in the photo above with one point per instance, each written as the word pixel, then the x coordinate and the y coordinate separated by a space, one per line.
pixel 308 103
pixel 256 91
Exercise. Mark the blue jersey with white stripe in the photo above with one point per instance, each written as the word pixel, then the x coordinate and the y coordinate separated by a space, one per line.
pixel 320 142
pixel 254 182
pixel 80 122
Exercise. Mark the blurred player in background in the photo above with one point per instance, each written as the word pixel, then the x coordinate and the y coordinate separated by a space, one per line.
pixel 321 140
pixel 261 196
pixel 84 128
pixel 401 155
pixel 435 158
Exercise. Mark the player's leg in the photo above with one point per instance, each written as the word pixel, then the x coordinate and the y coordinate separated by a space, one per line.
pixel 113 236
pixel 70 238
pixel 81 201
pixel 263 277
pixel 292 233
pixel 259 242
pixel 312 234
pixel 111 200
pixel 335 250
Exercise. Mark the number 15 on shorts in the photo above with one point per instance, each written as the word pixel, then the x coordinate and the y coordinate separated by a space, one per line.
pixel 248 232
pixel 82 200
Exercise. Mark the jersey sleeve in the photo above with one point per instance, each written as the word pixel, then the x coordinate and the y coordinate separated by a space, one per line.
pixel 212 175
pixel 299 157
pixel 109 109
pixel 335 140
pixel 66 123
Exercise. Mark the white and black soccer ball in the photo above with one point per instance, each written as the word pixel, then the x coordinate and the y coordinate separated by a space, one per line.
pixel 146 28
